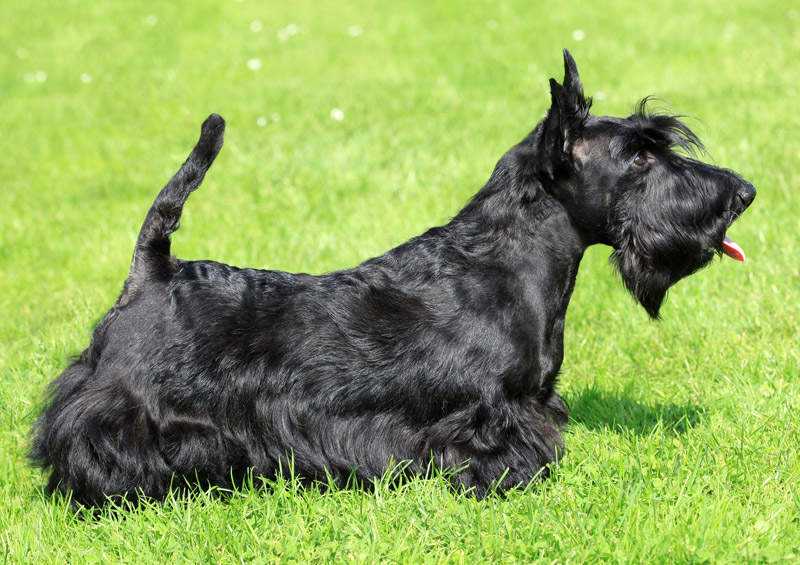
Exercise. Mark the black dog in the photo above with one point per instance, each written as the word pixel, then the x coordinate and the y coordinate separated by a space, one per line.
pixel 444 349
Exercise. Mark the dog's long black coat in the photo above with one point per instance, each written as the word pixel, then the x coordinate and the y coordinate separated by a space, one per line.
pixel 444 348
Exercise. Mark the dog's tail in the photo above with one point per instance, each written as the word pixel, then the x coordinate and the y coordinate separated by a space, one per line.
pixel 151 257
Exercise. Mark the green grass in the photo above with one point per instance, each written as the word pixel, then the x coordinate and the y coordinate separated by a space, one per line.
pixel 683 442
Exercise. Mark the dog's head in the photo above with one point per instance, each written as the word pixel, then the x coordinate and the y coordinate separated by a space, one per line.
pixel 624 184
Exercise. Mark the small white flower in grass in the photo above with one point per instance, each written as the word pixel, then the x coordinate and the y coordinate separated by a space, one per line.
pixel 337 114
pixel 256 26
pixel 261 121
pixel 578 35
pixel 354 31
pixel 254 64
pixel 41 76
pixel 86 78
pixel 287 32
pixel 151 20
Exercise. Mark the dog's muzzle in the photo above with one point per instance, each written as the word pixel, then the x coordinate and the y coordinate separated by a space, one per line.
pixel 742 200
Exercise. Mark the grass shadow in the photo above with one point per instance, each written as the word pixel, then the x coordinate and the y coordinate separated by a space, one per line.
pixel 599 409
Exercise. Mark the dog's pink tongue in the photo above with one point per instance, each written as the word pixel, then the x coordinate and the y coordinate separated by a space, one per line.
pixel 732 249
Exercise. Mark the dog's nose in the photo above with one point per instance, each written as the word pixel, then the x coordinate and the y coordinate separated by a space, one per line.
pixel 746 195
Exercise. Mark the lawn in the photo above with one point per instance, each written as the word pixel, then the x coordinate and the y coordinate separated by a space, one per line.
pixel 352 127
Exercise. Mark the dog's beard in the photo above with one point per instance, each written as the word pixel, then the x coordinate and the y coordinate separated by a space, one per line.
pixel 648 276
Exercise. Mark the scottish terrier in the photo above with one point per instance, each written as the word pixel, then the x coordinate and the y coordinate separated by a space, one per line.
pixel 445 349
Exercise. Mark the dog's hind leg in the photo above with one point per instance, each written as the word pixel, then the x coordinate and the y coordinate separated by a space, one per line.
pixel 100 438
pixel 151 257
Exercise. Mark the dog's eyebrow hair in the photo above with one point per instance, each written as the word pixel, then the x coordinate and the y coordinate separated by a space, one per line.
pixel 628 143
pixel 663 130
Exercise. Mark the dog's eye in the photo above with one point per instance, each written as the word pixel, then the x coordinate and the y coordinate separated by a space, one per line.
pixel 640 160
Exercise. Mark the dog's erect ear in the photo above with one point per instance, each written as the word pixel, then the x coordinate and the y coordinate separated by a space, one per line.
pixel 572 82
pixel 568 111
